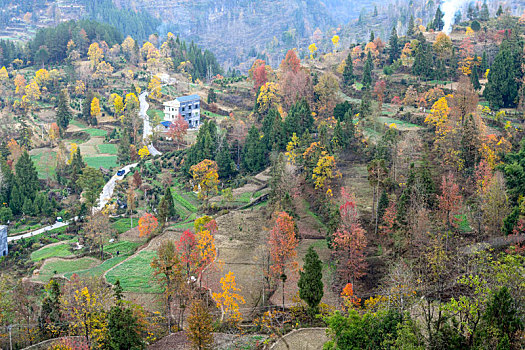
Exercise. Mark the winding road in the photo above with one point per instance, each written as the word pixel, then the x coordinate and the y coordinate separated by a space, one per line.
pixel 109 187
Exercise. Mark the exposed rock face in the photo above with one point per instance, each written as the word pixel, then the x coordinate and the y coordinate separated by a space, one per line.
pixel 232 28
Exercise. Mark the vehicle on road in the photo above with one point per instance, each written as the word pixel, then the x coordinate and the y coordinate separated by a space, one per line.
pixel 121 172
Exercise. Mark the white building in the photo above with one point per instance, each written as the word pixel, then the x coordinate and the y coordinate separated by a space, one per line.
pixel 189 107
pixel 3 240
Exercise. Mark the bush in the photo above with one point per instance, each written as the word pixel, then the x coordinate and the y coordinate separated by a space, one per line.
pixel 5 215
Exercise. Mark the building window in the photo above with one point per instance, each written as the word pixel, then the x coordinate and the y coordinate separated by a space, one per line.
pixel 183 109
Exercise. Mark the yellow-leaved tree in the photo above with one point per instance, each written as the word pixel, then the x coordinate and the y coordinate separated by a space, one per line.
pixel 439 114
pixel 155 87
pixel 118 103
pixel 267 96
pixel 42 77
pixel 143 152
pixel 324 172
pixel 32 91
pixel 95 55
pixel 229 299
pixel 95 107
pixel 312 49
pixel 4 76
pixel 205 177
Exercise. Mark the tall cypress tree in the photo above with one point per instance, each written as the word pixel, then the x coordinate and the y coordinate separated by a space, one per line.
pixel 225 163
pixel 438 20
pixel 123 153
pixel 27 176
pixel 253 154
pixel 474 78
pixel 63 112
pixel 484 15
pixel 503 79
pixel 394 51
pixel 311 281
pixel 348 72
pixel 367 72
pixel 411 27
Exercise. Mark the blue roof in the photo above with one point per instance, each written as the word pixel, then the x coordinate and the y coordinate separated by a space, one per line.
pixel 166 124
pixel 188 98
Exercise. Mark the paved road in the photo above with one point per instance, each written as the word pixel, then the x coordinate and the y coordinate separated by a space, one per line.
pixel 148 131
pixel 41 230
pixel 109 187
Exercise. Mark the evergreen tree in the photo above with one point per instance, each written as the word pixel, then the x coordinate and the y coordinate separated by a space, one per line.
pixel 500 11
pixel 27 208
pixel 372 36
pixel 504 76
pixel 438 20
pixel 394 50
pixel 123 326
pixel 16 201
pixel 204 148
pixel 27 176
pixel 502 314
pixel 474 78
pixel 212 96
pixel 484 63
pixel 123 154
pixel 348 72
pixel 50 320
pixel 227 168
pixel 411 30
pixel 367 73
pixel 470 141
pixel 166 206
pixel 311 281
pixel 63 112
pixel 423 63
pixel 457 17
pixel 86 107
pixel 299 119
pixel 382 205
pixel 253 158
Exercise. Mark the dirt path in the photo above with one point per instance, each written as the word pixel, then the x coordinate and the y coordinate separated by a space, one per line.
pixel 302 339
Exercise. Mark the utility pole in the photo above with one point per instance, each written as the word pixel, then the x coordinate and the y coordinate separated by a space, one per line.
pixel 10 339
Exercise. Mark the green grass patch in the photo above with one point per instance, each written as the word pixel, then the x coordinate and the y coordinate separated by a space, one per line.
pixel 107 148
pixel 99 270
pixel 45 164
pixel 464 225
pixel 78 124
pixel 60 267
pixel 136 274
pixel 58 230
pixel 440 82
pixel 123 224
pixel 96 132
pixel 308 211
pixel 183 200
pixel 151 112
pixel 54 251
pixel 246 197
pixel 358 86
pixel 105 162
pixel 123 247
pixel 399 123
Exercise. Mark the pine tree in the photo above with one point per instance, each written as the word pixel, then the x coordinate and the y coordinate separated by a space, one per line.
pixel 470 142
pixel 16 200
pixel 503 80
pixel 123 326
pixel 63 112
pixel 411 27
pixel 367 73
pixel 438 20
pixel 166 208
pixel 372 36
pixel 500 11
pixel 311 281
pixel 484 63
pixel 394 51
pixel 27 176
pixel 253 153
pixel 86 107
pixel 484 14
pixel 474 78
pixel 299 119
pixel 225 163
pixel 382 205
pixel 50 320
pixel 123 154
pixel 348 72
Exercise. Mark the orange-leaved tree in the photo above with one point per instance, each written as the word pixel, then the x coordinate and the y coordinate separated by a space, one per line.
pixel 349 298
pixel 228 300
pixel 282 244
pixel 147 224
pixel 350 241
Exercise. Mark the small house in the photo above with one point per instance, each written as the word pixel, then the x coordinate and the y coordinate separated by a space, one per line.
pixel 187 106
pixel 3 240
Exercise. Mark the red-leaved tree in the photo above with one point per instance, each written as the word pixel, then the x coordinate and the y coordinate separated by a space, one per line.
pixel 291 62
pixel 449 200
pixel 282 244
pixel 189 254
pixel 178 130
pixel 350 241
